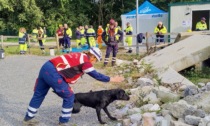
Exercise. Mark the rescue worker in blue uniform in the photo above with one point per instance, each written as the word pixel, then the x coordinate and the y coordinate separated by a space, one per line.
pixel 67 34
pixel 111 39
pixel 59 73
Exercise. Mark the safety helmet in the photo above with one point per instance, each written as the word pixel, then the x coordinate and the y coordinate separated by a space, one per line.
pixel 96 52
pixel 112 22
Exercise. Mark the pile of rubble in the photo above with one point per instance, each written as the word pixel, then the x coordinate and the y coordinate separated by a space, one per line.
pixel 153 103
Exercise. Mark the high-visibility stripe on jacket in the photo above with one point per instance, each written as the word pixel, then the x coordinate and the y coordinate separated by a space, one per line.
pixel 22 38
pixel 163 30
pixel 201 26
pixel 91 32
pixel 72 66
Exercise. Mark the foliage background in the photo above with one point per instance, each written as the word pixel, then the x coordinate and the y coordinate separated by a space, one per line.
pixel 50 13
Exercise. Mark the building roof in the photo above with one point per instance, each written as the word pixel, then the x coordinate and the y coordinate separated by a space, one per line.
pixel 190 3
pixel 146 8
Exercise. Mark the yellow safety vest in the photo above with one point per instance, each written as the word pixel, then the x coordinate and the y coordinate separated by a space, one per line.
pixel 116 35
pixel 201 26
pixel 68 32
pixel 82 31
pixel 163 30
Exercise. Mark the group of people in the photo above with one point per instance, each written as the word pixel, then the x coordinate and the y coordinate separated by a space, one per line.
pixel 38 35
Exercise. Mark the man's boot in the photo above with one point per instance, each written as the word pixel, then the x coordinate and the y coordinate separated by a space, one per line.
pixel 30 122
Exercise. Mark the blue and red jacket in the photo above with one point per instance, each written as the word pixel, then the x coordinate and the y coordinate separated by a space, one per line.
pixel 72 66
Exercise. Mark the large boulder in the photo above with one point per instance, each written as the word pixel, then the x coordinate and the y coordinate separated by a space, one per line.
pixel 165 95
pixel 144 82
pixel 192 120
pixel 151 98
pixel 176 109
pixel 177 123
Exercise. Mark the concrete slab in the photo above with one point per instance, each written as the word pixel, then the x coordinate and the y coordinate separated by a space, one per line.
pixel 181 55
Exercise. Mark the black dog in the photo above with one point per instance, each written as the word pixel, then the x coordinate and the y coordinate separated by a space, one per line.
pixel 99 100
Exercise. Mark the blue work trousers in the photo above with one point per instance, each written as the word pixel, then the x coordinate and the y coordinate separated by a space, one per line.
pixel 50 78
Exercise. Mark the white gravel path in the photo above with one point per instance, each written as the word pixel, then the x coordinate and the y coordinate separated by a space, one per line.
pixel 17 78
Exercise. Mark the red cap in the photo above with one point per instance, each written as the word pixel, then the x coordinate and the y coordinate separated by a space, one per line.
pixel 112 22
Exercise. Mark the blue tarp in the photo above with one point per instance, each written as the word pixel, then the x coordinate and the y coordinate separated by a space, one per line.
pixel 146 8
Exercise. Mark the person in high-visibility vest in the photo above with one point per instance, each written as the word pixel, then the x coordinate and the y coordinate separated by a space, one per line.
pixel 23 36
pixel 91 34
pixel 82 35
pixel 201 25
pixel 160 30
pixel 86 36
pixel 128 40
pixel 41 39
pixel 78 37
pixel 34 35
pixel 99 38
pixel 59 73
pixel 67 34
pixel 111 39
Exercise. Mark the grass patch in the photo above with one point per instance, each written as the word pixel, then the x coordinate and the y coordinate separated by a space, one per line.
pixel 14 50
pixel 196 75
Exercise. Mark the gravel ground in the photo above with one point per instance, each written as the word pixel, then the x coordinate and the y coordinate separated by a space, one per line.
pixel 17 78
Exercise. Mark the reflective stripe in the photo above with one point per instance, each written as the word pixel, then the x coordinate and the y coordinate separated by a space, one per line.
pixel 72 82
pixel 30 114
pixel 65 62
pixel 32 109
pixel 67 110
pixel 66 115
pixel 81 59
pixel 89 70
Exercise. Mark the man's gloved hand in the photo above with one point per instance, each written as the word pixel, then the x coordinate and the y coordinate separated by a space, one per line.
pixel 117 79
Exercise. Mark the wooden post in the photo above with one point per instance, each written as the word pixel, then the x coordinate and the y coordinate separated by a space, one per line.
pixel 29 44
pixel 2 39
pixel 147 44
pixel 57 42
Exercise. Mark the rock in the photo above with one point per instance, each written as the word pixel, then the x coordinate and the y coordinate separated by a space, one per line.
pixel 119 124
pixel 177 123
pixel 121 62
pixel 126 122
pixel 134 111
pixel 166 96
pixel 189 111
pixel 146 108
pixel 136 118
pixel 120 72
pixel 177 110
pixel 182 88
pixel 190 90
pixel 127 70
pixel 201 84
pixel 200 113
pixel 200 100
pixel 169 118
pixel 135 91
pixel 151 98
pixel 120 113
pixel 192 120
pixel 165 112
pixel 181 120
pixel 135 124
pixel 148 119
pixel 158 119
pixel 208 86
pixel 163 122
pixel 144 82
pixel 135 61
pixel 155 108
pixel 147 89
pixel 130 80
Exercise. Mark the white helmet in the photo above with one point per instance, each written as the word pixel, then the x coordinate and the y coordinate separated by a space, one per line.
pixel 96 52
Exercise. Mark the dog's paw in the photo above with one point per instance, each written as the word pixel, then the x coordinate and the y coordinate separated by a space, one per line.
pixel 113 118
